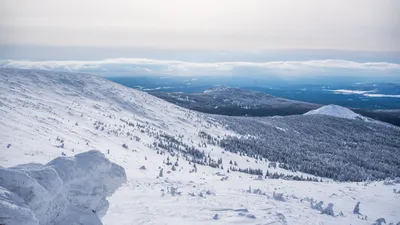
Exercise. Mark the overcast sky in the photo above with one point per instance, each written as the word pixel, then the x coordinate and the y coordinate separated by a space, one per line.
pixel 203 37
pixel 251 25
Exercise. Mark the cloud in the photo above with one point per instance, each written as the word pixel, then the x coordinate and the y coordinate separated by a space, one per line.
pixel 143 66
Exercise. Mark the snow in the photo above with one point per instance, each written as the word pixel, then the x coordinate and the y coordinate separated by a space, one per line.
pixel 370 93
pixel 345 91
pixel 67 190
pixel 382 96
pixel 41 111
pixel 336 111
pixel 216 90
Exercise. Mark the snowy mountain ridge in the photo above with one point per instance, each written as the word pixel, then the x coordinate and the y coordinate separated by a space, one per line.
pixel 216 89
pixel 45 114
pixel 230 101
pixel 236 102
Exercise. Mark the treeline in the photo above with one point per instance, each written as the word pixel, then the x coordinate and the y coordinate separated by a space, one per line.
pixel 341 149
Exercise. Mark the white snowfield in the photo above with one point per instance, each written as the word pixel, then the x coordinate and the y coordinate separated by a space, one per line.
pixel 44 115
pixel 67 190
pixel 336 111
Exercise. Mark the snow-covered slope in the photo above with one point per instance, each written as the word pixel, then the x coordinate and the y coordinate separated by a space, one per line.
pixel 336 111
pixel 46 114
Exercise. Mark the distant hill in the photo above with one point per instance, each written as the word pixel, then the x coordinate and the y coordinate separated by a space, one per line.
pixel 336 111
pixel 237 102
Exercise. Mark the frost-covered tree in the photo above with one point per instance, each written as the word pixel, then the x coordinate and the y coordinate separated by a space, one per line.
pixel 278 196
pixel 356 209
pixel 161 174
pixel 317 206
pixel 379 221
pixel 174 191
pixel 328 210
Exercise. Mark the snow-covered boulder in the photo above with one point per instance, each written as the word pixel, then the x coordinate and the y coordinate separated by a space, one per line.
pixel 67 190
pixel 14 211
pixel 336 111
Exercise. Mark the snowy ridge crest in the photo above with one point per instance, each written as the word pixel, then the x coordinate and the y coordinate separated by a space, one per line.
pixel 67 190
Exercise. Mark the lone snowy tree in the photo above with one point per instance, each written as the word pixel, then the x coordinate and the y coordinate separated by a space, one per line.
pixel 216 217
pixel 161 174
pixel 317 206
pixel 328 210
pixel 379 221
pixel 356 209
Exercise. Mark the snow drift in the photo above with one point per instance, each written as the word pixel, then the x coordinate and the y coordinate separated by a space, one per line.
pixel 336 111
pixel 67 190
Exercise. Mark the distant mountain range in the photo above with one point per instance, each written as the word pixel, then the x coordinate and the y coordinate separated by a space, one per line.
pixel 240 102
